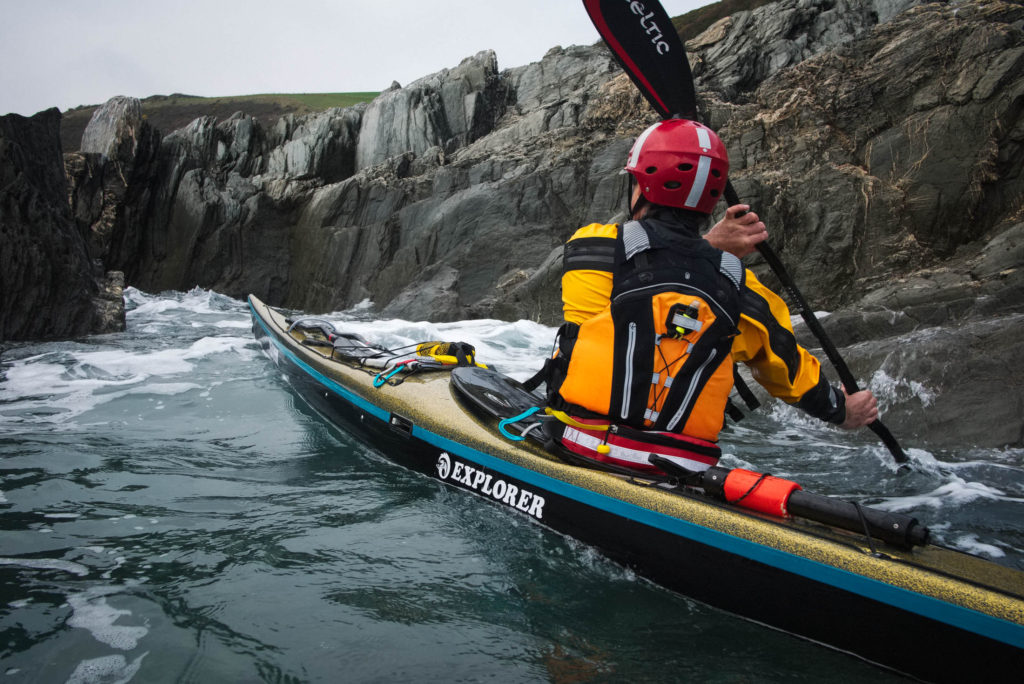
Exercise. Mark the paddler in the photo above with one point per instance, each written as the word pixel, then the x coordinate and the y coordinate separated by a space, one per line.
pixel 656 316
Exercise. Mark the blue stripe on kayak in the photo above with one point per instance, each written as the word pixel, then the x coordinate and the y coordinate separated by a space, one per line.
pixel 904 599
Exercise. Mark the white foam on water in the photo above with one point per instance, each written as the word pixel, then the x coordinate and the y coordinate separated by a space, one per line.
pixel 210 346
pixel 112 669
pixel 175 312
pixel 196 301
pixel 791 420
pixel 971 544
pixel 986 459
pixel 955 493
pixel 91 612
pixel 365 305
pixel 58 386
pixel 47 564
pixel 732 460
pixel 232 323
pixel 896 390
pixel 887 389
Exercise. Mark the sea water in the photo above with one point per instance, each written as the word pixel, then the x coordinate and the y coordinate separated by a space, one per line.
pixel 170 511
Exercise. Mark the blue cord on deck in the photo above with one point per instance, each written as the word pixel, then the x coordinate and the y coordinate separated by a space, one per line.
pixel 515 419
pixel 384 376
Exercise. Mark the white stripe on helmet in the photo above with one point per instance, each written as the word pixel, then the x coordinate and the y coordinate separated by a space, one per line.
pixel 638 146
pixel 699 181
pixel 703 137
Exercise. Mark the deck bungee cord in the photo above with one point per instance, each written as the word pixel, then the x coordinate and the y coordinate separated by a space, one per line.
pixel 386 364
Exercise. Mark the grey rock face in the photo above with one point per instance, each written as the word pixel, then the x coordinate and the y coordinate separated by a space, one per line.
pixel 893 153
pixel 445 110
pixel 319 147
pixel 114 130
pixel 46 277
pixel 740 52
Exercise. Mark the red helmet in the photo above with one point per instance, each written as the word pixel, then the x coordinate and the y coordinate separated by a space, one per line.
pixel 680 163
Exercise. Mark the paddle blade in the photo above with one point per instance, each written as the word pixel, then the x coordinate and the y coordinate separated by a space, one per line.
pixel 645 43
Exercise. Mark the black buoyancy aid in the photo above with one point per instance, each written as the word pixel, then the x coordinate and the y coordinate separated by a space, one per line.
pixel 663 341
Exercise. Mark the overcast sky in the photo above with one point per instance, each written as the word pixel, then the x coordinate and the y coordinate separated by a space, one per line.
pixel 65 53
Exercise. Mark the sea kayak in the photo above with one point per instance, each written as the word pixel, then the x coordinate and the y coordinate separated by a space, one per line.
pixel 899 601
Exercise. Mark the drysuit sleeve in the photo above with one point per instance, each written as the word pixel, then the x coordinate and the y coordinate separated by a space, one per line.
pixel 767 345
pixel 587 266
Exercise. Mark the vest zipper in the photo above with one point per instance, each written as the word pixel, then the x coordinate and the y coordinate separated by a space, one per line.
pixel 690 391
pixel 627 389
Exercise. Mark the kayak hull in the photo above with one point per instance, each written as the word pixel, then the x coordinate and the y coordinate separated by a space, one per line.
pixel 898 609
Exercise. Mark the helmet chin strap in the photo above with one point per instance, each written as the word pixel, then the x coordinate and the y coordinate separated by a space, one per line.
pixel 633 207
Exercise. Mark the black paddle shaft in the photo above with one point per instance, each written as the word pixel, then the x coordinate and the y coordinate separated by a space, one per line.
pixel 644 41
pixel 814 325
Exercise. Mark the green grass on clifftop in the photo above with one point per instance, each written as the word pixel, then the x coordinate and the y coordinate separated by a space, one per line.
pixel 168 113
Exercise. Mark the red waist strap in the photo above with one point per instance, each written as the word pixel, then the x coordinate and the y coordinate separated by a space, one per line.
pixel 628 448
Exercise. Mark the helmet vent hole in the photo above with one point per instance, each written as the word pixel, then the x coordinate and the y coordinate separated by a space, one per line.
pixel 714 193
pixel 673 185
pixel 685 167
pixel 716 173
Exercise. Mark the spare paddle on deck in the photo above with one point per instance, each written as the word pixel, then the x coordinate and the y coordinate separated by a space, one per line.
pixel 782 498
pixel 644 41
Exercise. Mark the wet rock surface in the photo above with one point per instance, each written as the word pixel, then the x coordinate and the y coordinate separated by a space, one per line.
pixel 50 287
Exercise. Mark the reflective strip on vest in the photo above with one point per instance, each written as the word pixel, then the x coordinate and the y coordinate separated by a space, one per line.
pixel 636 455
pixel 627 390
pixel 690 391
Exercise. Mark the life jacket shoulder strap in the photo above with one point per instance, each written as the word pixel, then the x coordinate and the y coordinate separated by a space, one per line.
pixel 635 239
pixel 733 269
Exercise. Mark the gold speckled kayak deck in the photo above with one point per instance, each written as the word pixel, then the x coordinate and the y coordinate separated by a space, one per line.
pixel 807 578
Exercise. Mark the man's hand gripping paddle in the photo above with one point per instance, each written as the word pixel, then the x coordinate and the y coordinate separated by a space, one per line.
pixel 641 36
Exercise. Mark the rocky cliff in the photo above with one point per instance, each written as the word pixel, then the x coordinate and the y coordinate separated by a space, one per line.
pixel 50 286
pixel 891 170
pixel 879 139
